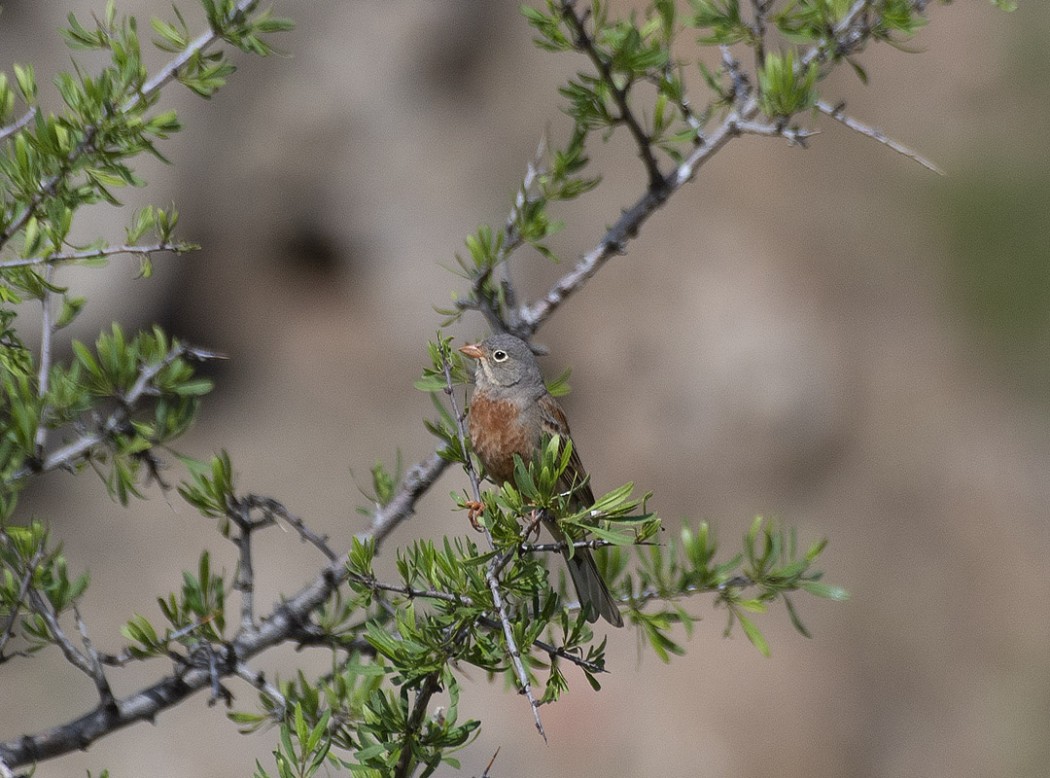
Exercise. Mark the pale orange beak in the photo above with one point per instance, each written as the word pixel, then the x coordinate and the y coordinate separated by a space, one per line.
pixel 472 350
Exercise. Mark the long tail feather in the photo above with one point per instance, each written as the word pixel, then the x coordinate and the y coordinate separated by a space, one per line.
pixel 590 588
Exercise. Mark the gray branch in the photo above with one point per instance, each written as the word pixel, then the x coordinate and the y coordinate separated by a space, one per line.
pixel 99 253
pixel 290 620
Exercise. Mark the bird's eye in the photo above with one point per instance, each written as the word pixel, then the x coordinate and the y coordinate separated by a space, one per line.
pixel 499 355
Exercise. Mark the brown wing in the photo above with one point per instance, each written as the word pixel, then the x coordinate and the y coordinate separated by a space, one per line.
pixel 575 477
pixel 595 599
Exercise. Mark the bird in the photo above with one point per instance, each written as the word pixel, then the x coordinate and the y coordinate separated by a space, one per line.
pixel 511 412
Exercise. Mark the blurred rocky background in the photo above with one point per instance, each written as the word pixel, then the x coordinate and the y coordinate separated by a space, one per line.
pixel 833 337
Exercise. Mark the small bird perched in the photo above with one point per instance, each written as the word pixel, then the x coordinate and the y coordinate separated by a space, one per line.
pixel 511 412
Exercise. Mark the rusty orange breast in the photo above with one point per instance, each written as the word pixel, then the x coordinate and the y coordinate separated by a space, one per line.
pixel 496 434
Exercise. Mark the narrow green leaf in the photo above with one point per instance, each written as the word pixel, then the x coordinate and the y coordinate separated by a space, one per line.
pixel 753 634
pixel 827 591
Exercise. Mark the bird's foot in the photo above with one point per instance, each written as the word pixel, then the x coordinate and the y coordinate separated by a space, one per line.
pixel 474 510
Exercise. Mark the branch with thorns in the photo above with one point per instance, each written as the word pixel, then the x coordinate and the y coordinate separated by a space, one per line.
pixel 290 618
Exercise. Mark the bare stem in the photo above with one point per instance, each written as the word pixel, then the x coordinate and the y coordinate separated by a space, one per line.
pixel 244 580
pixel 21 122
pixel 257 679
pixel 72 655
pixel 837 112
pixel 97 673
pixel 626 228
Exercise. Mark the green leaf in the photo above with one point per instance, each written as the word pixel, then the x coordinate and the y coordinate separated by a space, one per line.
pixel 753 634
pixel 796 622
pixel 171 38
pixel 71 307
pixel 827 591
pixel 26 81
pixel 559 387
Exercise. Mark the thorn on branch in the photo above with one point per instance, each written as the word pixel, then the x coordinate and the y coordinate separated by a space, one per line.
pixel 837 112
pixel 795 136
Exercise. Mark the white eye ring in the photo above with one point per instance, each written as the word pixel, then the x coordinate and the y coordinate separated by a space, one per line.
pixel 499 355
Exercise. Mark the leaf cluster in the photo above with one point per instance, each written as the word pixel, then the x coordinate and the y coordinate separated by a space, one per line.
pixel 409 640
pixel 769 568
pixel 555 176
pixel 30 563
pixel 126 398
pixel 117 405
pixel 359 727
pixel 195 616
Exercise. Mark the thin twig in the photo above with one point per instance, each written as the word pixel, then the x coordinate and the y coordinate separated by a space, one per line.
pixel 47 330
pixel 837 112
pixel 216 672
pixel 428 594
pixel 258 679
pixel 511 236
pixel 561 653
pixel 244 579
pixel 681 102
pixel 737 76
pixel 479 300
pixel 239 512
pixel 72 655
pixel 98 674
pixel 21 122
pixel 849 33
pixel 124 658
pixel 758 29
pixel 276 512
pixel 626 228
pixel 794 135
pixel 468 463
pixel 23 590
pixel 560 546
pixel 492 761
pixel 99 253
pixel 586 44
pixel 652 593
